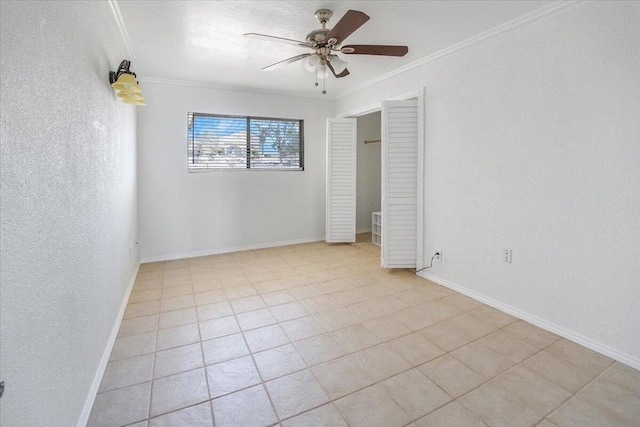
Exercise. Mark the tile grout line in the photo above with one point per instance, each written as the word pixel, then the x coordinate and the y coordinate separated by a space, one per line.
pixel 571 396
pixel 347 353
pixel 204 366
pixel 262 381
pixel 315 318
pixel 155 354
pixel 341 306
pixel 581 388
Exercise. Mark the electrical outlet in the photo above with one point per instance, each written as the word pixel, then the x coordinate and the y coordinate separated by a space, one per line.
pixel 506 256
pixel 438 257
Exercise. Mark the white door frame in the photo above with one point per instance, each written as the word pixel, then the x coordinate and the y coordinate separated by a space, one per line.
pixel 377 106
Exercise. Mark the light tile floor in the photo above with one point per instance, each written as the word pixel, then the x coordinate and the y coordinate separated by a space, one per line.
pixel 320 335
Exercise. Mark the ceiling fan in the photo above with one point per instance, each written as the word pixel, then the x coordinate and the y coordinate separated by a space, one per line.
pixel 326 42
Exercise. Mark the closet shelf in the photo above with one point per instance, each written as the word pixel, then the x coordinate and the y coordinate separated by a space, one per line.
pixel 376 228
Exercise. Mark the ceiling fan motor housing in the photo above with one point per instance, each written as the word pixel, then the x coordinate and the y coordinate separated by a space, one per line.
pixel 318 36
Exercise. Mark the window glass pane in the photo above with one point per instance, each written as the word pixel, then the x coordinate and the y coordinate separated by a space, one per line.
pixel 275 143
pixel 224 142
pixel 217 142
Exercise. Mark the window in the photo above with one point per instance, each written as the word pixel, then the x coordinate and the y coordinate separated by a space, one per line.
pixel 239 142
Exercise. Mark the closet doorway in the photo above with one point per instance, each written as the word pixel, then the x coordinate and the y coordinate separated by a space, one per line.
pixel 401 179
pixel 369 175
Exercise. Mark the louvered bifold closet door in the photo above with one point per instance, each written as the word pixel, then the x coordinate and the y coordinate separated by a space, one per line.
pixel 399 183
pixel 341 180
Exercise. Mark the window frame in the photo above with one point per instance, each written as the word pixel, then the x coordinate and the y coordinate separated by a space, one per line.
pixel 248 119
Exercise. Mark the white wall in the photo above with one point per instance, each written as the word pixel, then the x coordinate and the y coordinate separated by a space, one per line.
pixel 185 214
pixel 532 143
pixel 368 190
pixel 68 205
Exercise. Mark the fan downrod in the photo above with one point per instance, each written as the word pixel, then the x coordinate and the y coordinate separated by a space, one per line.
pixel 318 36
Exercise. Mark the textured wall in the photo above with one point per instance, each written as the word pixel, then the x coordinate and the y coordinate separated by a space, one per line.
pixel 368 189
pixel 68 205
pixel 185 214
pixel 532 143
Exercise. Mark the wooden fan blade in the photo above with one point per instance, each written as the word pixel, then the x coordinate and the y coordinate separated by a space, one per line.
pixel 277 39
pixel 344 72
pixel 374 49
pixel 286 61
pixel 351 21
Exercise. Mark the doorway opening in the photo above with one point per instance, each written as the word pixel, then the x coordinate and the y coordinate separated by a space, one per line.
pixel 349 208
pixel 369 177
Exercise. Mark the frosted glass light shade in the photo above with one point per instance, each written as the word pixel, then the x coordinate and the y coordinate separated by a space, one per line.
pixel 323 71
pixel 314 60
pixel 130 95
pixel 134 101
pixel 126 83
pixel 338 64
pixel 314 64
pixel 310 68
pixel 311 62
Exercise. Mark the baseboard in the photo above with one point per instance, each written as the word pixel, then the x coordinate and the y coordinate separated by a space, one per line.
pixel 558 330
pixel 231 249
pixel 86 411
pixel 363 230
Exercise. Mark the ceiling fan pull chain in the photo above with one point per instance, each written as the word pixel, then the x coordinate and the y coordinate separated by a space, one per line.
pixel 324 82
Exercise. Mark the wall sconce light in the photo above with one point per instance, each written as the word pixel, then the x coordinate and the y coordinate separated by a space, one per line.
pixel 124 81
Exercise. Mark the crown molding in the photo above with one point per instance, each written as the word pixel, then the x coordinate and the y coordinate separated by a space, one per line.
pixel 480 37
pixel 248 89
pixel 113 5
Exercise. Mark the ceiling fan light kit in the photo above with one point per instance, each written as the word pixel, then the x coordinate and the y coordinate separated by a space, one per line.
pixel 326 42
pixel 314 64
pixel 338 64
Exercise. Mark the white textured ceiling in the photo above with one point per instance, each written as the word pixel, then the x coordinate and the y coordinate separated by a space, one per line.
pixel 202 41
